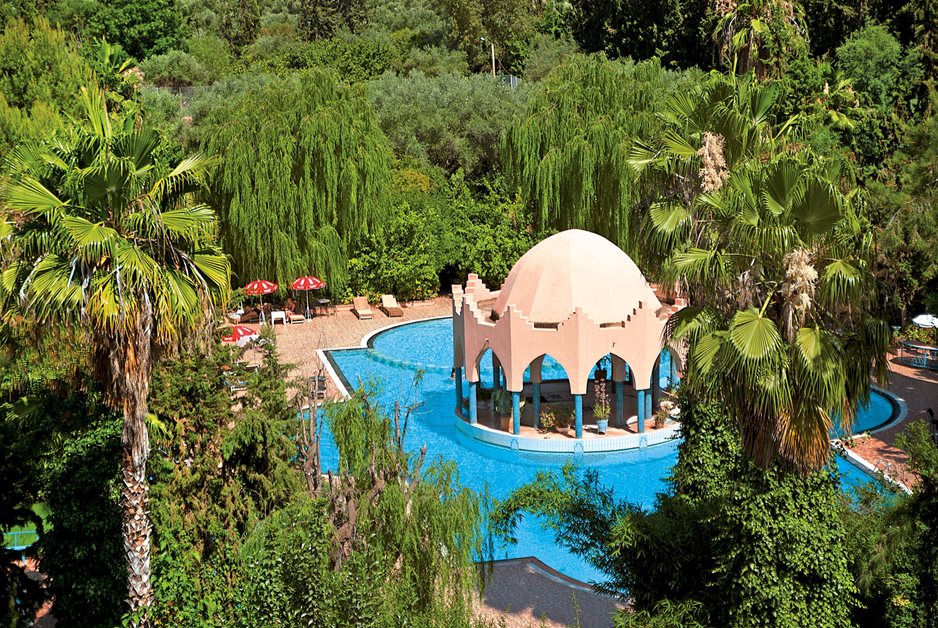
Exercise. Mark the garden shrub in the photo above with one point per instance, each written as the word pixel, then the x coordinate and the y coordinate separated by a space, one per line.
pixel 174 69
pixel 325 559
pixel 83 551
pixel 870 58
pixel 216 471
pixel 450 121
pixel 730 544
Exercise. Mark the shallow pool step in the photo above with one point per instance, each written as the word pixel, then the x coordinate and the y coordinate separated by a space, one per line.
pixel 408 364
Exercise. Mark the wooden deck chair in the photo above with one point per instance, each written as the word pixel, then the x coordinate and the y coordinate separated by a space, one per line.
pixel 389 306
pixel 361 309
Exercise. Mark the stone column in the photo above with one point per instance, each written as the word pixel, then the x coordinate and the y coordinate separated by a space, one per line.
pixel 496 372
pixel 640 410
pixel 516 413
pixel 656 385
pixel 473 403
pixel 537 404
pixel 578 406
pixel 648 405
pixel 536 386
pixel 620 375
pixel 459 396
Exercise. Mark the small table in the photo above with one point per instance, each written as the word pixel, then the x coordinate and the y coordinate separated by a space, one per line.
pixel 324 306
pixel 918 355
pixel 280 315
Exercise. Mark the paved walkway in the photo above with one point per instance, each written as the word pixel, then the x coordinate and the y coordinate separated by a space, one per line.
pixel 919 389
pixel 525 592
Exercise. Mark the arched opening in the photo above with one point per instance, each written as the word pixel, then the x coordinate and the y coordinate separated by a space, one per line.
pixel 668 368
pixel 555 312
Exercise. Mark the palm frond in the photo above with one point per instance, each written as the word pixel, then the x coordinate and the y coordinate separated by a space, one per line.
pixel 755 337
pixel 30 196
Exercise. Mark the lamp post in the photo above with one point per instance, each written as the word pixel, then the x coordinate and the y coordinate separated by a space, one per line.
pixel 492 45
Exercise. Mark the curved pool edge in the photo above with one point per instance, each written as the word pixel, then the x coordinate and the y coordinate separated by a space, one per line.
pixel 899 414
pixel 367 340
pixel 864 465
pixel 900 410
pixel 610 444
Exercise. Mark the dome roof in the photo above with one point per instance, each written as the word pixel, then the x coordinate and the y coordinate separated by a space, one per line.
pixel 575 269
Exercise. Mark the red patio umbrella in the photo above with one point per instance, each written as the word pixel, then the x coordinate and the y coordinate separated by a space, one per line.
pixel 259 288
pixel 239 333
pixel 306 284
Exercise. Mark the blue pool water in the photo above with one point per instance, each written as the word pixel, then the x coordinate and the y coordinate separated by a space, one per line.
pixel 637 475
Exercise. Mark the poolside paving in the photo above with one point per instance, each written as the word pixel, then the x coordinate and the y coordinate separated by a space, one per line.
pixel 919 389
pixel 523 592
pixel 297 344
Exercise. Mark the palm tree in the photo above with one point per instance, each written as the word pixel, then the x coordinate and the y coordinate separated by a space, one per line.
pixel 778 266
pixel 102 237
pixel 759 35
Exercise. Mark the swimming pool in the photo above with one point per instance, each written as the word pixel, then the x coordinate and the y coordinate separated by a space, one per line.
pixel 393 358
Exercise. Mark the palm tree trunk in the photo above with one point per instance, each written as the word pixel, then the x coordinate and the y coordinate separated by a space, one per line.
pixel 137 531
pixel 135 488
pixel 125 359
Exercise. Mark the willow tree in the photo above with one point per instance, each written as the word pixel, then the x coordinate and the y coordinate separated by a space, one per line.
pixel 769 241
pixel 568 152
pixel 304 175
pixel 101 236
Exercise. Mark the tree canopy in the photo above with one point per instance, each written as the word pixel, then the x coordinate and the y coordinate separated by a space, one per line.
pixel 568 150
pixel 303 175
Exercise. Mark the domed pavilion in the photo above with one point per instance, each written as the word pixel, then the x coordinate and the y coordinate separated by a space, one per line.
pixel 576 297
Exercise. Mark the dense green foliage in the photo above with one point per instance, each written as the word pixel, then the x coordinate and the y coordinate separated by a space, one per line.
pixel 29 388
pixel 436 235
pixel 449 121
pixel 568 151
pixel 323 560
pixel 730 544
pixel 220 469
pixel 82 552
pixel 61 449
pixel 792 191
pixel 920 442
pixel 676 31
pixel 41 75
pixel 776 259
pixel 142 27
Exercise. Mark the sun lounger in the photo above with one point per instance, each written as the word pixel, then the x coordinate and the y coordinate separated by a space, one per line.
pixel 361 308
pixel 389 305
